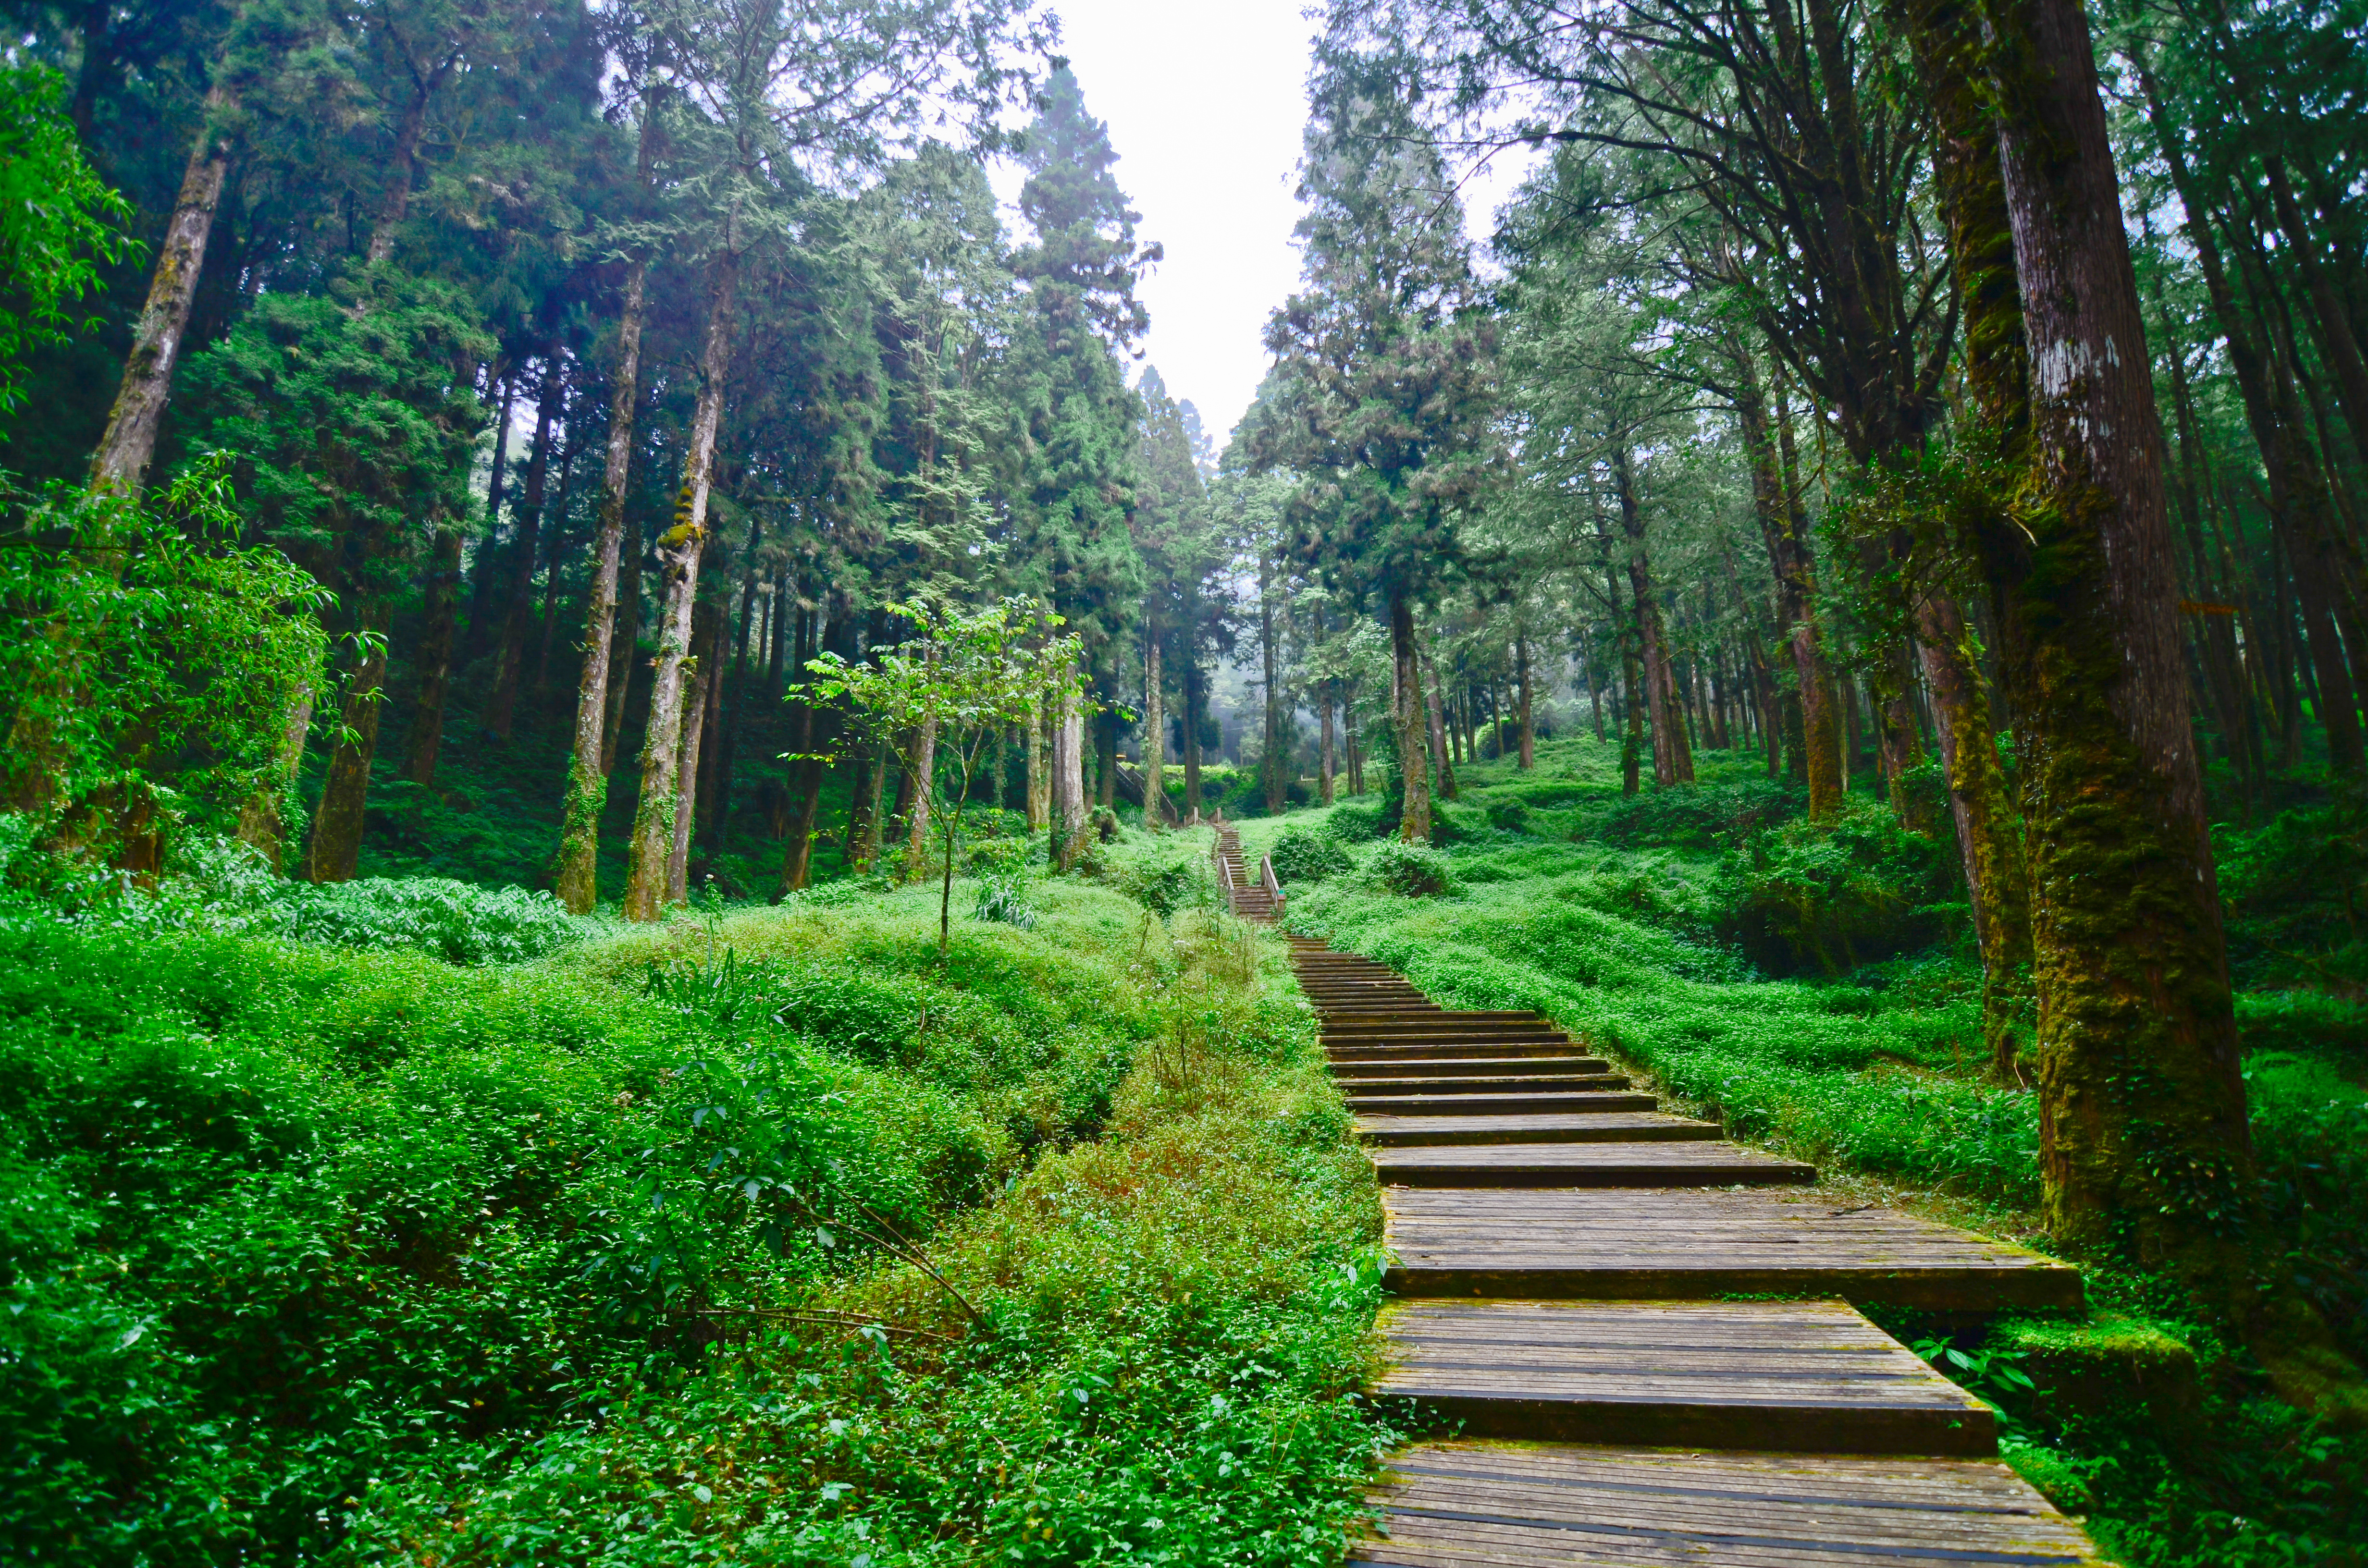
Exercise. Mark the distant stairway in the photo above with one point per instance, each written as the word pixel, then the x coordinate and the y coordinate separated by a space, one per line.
pixel 1252 898
pixel 1568 1259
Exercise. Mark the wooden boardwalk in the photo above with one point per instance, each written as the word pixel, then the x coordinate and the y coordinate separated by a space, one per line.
pixel 1565 1255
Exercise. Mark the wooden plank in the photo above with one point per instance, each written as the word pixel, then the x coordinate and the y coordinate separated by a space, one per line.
pixel 1585 1099
pixel 1795 1375
pixel 1469 1504
pixel 1602 1164
pixel 1576 1242
pixel 1398 1132
pixel 1468 1066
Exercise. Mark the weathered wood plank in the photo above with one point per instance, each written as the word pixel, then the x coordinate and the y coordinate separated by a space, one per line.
pixel 1640 1163
pixel 1399 1132
pixel 1798 1375
pixel 1467 1504
pixel 1572 1243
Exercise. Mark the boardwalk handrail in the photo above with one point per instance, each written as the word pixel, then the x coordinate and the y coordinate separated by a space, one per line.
pixel 1224 873
pixel 1266 875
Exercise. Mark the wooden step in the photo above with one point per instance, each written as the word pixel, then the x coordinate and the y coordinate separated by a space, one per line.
pixel 1572 1097
pixel 1479 1084
pixel 1682 1244
pixel 1604 1127
pixel 1641 1163
pixel 1452 1051
pixel 1352 1073
pixel 1475 1503
pixel 1805 1376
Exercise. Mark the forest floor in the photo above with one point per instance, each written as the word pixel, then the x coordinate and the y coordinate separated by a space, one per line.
pixel 413 1221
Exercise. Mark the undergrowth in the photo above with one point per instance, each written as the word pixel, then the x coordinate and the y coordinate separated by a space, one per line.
pixel 760 1232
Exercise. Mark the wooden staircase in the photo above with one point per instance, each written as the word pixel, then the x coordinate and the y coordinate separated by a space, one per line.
pixel 1568 1258
pixel 1250 897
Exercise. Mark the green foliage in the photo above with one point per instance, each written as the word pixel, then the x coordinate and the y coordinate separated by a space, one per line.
pixel 314 1249
pixel 1410 871
pixel 59 222
pixel 1303 855
pixel 1005 899
pixel 1833 895
pixel 150 653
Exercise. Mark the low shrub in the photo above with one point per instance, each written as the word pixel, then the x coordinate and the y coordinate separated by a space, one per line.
pixel 1301 854
pixel 1410 871
pixel 1355 822
pixel 1830 896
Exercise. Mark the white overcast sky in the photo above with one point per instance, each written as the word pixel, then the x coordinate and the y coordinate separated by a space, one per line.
pixel 1205 103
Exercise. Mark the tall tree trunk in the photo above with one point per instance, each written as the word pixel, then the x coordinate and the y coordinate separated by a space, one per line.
pixel 501 711
pixel 2338 347
pixel 624 648
pixel 435 658
pixel 731 700
pixel 704 668
pixel 1673 761
pixel 1040 772
pixel 2298 502
pixel 813 726
pixel 2137 1053
pixel 261 819
pixel 678 556
pixel 1322 693
pixel 1432 698
pixel 1349 738
pixel 121 463
pixel 923 767
pixel 489 552
pixel 1272 763
pixel 1195 695
pixel 1407 719
pixel 587 763
pixel 1068 780
pixel 1528 726
pixel 1155 737
pixel 336 854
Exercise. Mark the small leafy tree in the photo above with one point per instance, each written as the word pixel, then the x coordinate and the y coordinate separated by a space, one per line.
pixel 59 222
pixel 938 698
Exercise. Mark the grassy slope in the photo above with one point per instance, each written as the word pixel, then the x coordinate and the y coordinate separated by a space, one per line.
pixel 315 1251
pixel 1876 1072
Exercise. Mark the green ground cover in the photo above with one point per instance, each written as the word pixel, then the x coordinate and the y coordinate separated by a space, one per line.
pixel 600 1245
pixel 1817 992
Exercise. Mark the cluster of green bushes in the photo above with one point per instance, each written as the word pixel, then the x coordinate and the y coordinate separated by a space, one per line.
pixel 337 1226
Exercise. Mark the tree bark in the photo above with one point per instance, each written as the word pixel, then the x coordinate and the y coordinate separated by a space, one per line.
pixel 489 555
pixel 1324 694
pixel 501 709
pixel 261 820
pixel 588 770
pixel 704 669
pixel 1155 737
pixel 1529 727
pixel 443 608
pixel 1271 762
pixel 2143 1136
pixel 678 556
pixel 1431 700
pixel 337 844
pixel 1195 694
pixel 624 646
pixel 1673 761
pixel 923 766
pixel 121 463
pixel 1407 719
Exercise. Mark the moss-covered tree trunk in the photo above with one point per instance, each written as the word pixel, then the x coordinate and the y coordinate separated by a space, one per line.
pixel 2141 1107
pixel 1529 724
pixel 1407 722
pixel 577 870
pixel 1155 737
pixel 678 556
pixel 335 852
pixel 1673 761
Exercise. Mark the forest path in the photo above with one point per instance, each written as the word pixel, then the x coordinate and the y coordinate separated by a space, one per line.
pixel 1559 1247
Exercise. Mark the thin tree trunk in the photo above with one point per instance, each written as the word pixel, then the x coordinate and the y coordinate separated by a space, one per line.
pixel 923 766
pixel 1194 696
pixel 489 555
pixel 797 857
pixel 1438 723
pixel 587 764
pixel 678 557
pixel 1039 776
pixel 1529 727
pixel 1154 738
pixel 706 659
pixel 502 710
pixel 1673 761
pixel 435 658
pixel 1322 694
pixel 624 647
pixel 731 704
pixel 2137 1053
pixel 1406 718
